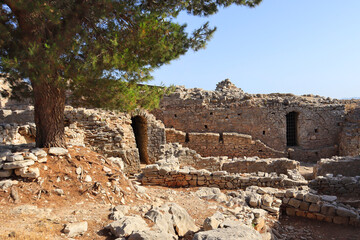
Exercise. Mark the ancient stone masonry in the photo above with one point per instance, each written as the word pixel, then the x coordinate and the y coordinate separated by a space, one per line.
pixel 168 174
pixel 175 152
pixel 250 165
pixel 346 166
pixel 107 132
pixel 104 131
pixel 319 207
pixel 350 135
pixel 155 135
pixel 230 144
pixel 308 126
pixel 20 162
pixel 111 133
pixel 338 186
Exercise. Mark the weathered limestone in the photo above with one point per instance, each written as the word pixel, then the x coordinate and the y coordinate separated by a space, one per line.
pixel 76 229
pixel 213 222
pixel 18 164
pixel 338 185
pixel 58 151
pixel 127 225
pixel 322 208
pixel 250 165
pixel 170 217
pixel 346 166
pixel 189 157
pixel 240 232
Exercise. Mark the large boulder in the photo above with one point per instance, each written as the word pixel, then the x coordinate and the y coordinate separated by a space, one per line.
pixel 240 232
pixel 214 221
pixel 76 229
pixel 151 235
pixel 162 219
pixel 127 225
pixel 182 221
pixel 171 216
pixel 211 193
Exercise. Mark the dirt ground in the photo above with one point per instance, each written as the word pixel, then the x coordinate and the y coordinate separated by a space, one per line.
pixel 40 213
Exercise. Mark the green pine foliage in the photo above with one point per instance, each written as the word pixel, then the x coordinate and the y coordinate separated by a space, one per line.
pixel 100 50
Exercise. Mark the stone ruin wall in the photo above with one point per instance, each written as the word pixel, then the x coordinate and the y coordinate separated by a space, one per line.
pixel 224 144
pixel 107 132
pixel 345 166
pixel 350 135
pixel 263 117
pixel 339 176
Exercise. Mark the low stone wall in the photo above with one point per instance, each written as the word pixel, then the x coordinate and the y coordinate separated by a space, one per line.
pixel 346 166
pixel 322 208
pixel 339 185
pixel 21 162
pixel 310 155
pixel 189 157
pixel 189 177
pixel 17 114
pixel 250 165
pixel 224 144
pixel 17 134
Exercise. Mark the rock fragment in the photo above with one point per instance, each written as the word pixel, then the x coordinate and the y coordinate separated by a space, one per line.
pixel 76 229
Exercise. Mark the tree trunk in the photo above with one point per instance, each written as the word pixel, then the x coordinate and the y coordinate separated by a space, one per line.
pixel 49 104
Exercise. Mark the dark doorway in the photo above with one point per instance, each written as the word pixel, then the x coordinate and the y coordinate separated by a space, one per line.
pixel 139 125
pixel 291 129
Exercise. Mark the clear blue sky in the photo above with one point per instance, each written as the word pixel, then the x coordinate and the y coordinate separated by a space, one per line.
pixel 307 46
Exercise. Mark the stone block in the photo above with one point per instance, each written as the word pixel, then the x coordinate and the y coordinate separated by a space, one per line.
pixel 328 210
pixel 311 198
pixel 320 217
pixel 344 212
pixel 15 157
pixel 310 215
pixel 314 208
pixel 304 206
pixel 300 213
pixel 290 211
pixel 294 203
pixel 267 200
pixel 18 164
pixel 58 151
pixel 290 193
pixel 5 173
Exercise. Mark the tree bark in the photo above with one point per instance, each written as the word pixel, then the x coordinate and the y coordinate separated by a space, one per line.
pixel 49 104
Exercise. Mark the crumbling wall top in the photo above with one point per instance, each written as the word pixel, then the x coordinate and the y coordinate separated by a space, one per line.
pixel 227 93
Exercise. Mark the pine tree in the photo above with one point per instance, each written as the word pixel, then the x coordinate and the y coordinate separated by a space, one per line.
pixel 99 49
